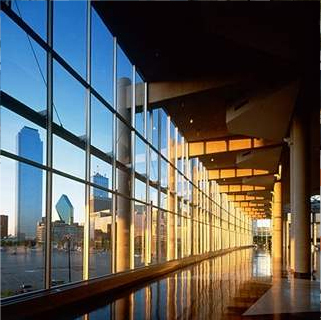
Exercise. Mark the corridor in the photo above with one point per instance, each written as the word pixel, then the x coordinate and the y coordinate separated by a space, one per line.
pixel 237 285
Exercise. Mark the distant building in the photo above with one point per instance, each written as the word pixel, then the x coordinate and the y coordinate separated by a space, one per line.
pixel 3 226
pixel 100 229
pixel 65 210
pixel 100 205
pixel 29 184
pixel 99 199
pixel 60 232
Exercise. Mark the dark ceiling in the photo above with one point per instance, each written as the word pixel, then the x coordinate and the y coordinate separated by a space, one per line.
pixel 179 40
pixel 267 43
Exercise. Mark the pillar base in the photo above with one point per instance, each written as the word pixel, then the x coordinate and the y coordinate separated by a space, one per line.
pixel 302 275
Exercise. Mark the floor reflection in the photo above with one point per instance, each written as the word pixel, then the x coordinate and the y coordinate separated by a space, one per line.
pixel 209 290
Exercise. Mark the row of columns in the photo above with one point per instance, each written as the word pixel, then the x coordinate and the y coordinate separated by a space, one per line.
pixel 298 238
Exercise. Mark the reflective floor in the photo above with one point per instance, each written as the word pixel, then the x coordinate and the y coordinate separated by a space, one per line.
pixel 220 288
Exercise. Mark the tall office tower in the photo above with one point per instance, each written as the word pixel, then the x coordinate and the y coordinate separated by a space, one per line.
pixel 29 184
pixel 3 226
pixel 65 210
pixel 99 199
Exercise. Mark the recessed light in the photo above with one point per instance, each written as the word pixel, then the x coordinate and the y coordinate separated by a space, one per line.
pixel 191 120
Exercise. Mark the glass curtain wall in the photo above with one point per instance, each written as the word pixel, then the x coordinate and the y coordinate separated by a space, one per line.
pixel 89 170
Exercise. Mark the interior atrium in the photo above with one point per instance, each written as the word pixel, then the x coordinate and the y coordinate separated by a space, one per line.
pixel 160 161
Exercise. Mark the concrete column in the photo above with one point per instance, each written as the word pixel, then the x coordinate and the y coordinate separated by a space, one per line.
pixel 123 220
pixel 277 221
pixel 301 200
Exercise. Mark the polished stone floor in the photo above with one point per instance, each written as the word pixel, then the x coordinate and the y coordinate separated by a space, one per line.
pixel 238 285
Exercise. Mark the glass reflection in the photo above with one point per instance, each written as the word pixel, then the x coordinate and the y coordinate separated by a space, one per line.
pixel 211 289
pixel 100 211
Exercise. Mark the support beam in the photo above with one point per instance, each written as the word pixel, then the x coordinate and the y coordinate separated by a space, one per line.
pixel 245 204
pixel 256 114
pixel 242 197
pixel 166 90
pixel 235 173
pixel 201 148
pixel 239 187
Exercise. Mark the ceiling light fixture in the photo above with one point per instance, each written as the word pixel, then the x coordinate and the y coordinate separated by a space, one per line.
pixel 212 159
pixel 191 120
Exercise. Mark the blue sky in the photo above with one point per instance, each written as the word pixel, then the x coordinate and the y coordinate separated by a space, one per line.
pixel 23 77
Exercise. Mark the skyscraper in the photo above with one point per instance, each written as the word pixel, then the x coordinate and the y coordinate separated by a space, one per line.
pixel 29 184
pixel 65 210
pixel 99 199
pixel 102 181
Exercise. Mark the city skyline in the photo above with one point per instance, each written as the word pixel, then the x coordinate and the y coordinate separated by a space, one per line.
pixel 29 184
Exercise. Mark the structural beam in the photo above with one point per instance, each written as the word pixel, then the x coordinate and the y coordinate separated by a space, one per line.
pixel 201 148
pixel 254 116
pixel 242 197
pixel 238 188
pixel 166 90
pixel 235 173
pixel 243 204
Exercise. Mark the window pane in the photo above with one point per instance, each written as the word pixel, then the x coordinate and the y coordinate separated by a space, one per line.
pixel 140 158
pixel 163 235
pixel 164 173
pixel 63 150
pixel 179 184
pixel 179 151
pixel 102 168
pixel 22 137
pixel 163 200
pixel 140 190
pixel 21 73
pixel 102 58
pixel 101 126
pixel 100 207
pixel 155 128
pixel 68 217
pixel 153 195
pixel 70 33
pixel 172 143
pixel 69 101
pixel 153 166
pixel 123 143
pixel 123 224
pixel 163 135
pixel 140 226
pixel 179 236
pixel 154 236
pixel 22 207
pixel 123 182
pixel 34 13
pixel 139 104
pixel 124 85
